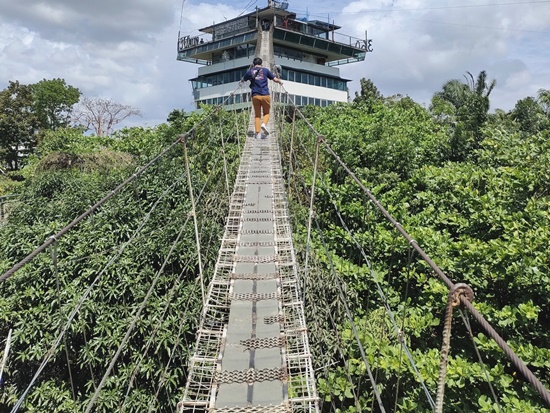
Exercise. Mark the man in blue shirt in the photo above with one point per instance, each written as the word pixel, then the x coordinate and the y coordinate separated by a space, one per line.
pixel 258 76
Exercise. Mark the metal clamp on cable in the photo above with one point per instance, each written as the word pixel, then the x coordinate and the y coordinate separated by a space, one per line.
pixel 458 291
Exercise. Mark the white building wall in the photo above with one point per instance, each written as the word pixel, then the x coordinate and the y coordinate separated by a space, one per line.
pixel 316 92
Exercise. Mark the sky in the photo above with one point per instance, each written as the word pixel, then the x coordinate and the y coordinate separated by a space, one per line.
pixel 125 50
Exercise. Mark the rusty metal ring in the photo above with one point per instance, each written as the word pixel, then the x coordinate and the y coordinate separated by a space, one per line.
pixel 459 290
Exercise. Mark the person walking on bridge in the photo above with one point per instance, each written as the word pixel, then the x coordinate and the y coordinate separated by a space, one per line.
pixel 261 100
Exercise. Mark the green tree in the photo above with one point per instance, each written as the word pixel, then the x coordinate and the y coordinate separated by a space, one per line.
pixel 18 124
pixel 543 99
pixel 53 102
pixel 467 104
pixel 369 92
pixel 529 115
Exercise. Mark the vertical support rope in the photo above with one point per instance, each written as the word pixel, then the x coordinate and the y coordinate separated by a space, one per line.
pixel 485 373
pixel 291 151
pixel 194 214
pixel 458 290
pixel 53 252
pixel 5 356
pixel 224 160
pixel 403 320
pixel 310 218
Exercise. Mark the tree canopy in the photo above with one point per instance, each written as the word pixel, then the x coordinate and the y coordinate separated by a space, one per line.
pixel 469 186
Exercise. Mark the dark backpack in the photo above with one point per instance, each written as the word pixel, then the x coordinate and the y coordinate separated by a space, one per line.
pixel 253 80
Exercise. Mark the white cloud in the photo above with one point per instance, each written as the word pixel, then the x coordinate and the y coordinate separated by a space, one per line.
pixel 126 50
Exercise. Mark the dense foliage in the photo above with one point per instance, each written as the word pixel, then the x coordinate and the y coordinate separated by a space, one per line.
pixel 482 213
pixel 27 112
pixel 142 237
pixel 470 187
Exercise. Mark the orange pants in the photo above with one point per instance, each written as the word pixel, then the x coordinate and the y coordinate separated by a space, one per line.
pixel 261 103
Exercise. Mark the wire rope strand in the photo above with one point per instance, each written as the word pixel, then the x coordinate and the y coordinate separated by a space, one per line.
pixel 5 355
pixel 485 373
pixel 194 214
pixel 293 129
pixel 224 159
pixel 311 201
pixel 53 252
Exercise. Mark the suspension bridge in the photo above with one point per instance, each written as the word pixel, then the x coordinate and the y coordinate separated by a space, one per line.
pixel 252 352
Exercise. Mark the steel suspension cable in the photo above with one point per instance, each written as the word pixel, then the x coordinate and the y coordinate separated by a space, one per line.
pixel 516 361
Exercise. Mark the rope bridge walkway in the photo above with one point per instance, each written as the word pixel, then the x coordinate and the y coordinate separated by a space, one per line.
pixel 252 341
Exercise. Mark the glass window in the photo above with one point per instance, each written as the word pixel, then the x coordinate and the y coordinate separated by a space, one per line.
pixel 304 78
pixel 317 102
pixel 317 80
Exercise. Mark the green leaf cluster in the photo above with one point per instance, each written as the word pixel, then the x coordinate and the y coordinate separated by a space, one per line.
pixel 480 209
pixel 122 248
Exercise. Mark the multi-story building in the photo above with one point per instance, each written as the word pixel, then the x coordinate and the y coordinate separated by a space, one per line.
pixel 305 52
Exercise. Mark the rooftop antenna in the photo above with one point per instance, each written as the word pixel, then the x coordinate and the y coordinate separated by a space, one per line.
pixel 181 18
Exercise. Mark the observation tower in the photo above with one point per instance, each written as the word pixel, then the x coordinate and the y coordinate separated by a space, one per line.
pixel 308 53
